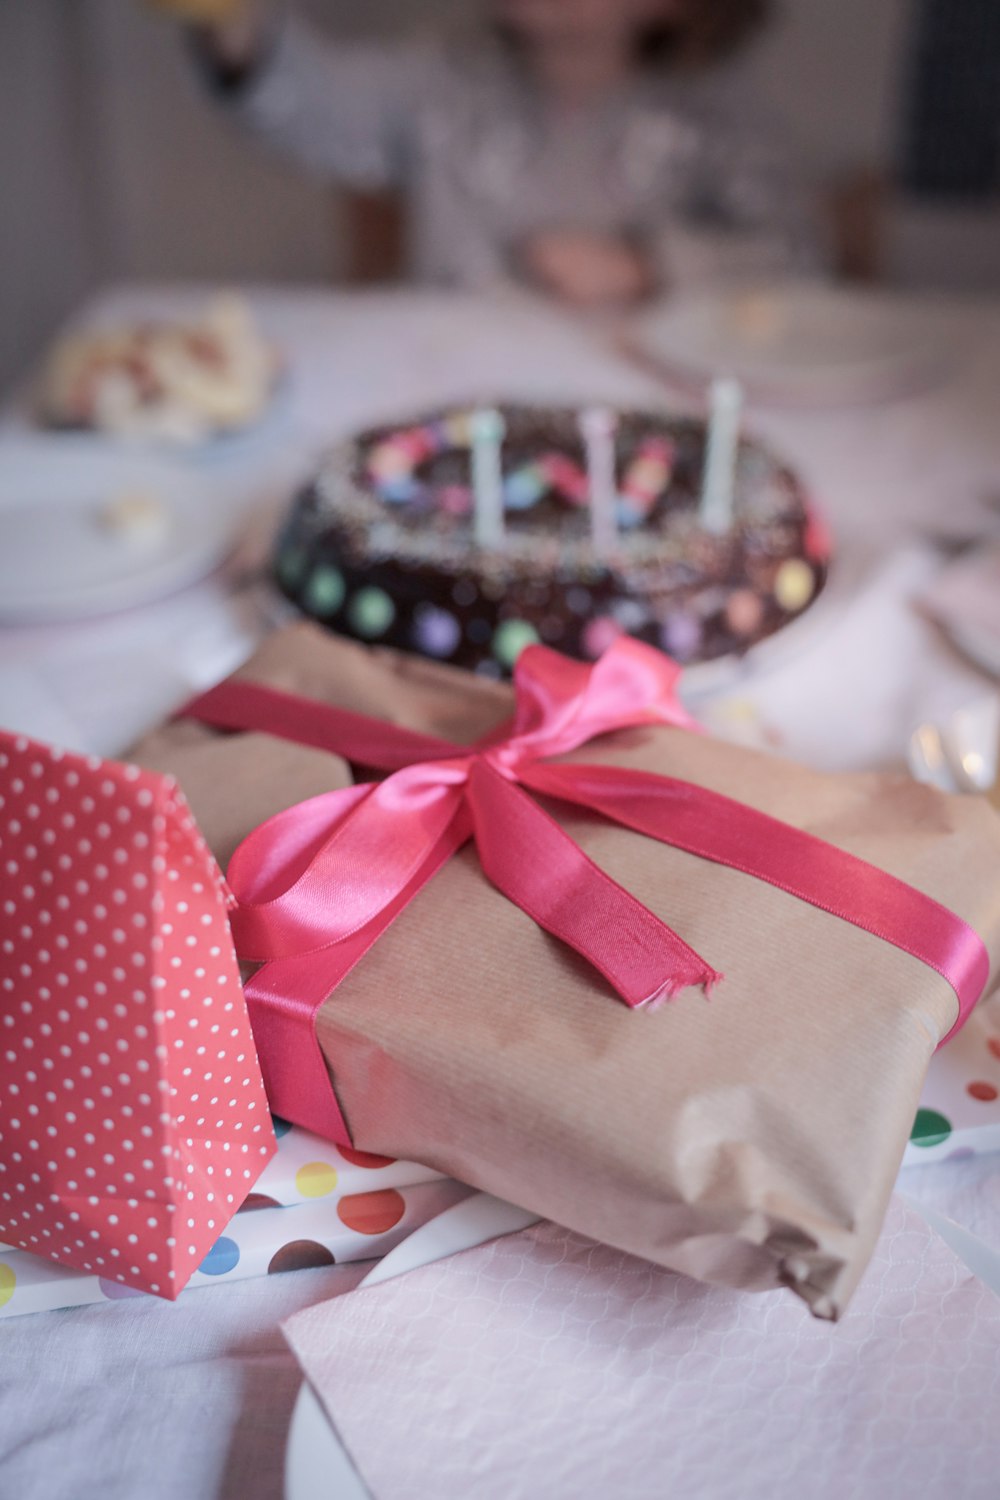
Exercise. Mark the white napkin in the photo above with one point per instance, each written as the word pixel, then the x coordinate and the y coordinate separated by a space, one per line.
pixel 542 1364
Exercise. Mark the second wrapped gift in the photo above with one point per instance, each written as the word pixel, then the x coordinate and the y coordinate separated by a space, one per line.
pixel 455 944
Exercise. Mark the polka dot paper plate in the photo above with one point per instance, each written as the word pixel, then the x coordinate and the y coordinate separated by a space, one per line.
pixel 959 1112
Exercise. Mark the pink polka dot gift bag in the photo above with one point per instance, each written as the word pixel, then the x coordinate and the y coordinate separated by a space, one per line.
pixel 133 1119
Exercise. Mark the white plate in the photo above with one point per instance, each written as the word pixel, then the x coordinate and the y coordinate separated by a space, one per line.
pixel 316 1465
pixel 58 562
pixel 799 343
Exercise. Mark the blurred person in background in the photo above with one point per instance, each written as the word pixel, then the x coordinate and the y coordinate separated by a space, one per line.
pixel 598 150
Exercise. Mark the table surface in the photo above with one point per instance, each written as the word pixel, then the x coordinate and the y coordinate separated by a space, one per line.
pixel 194 1399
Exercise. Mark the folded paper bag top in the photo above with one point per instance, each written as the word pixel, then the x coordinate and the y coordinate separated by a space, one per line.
pixel 133 1121
pixel 751 1139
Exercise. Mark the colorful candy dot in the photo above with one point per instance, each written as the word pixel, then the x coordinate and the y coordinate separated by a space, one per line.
pixel 399 491
pixel 388 459
pixel 454 499
pixel 222 1258
pixel 744 611
pixel 371 612
pixel 681 636
pixel 525 487
pixel 365 1158
pixel 300 1255
pixel 464 592
pixel 599 634
pixel 794 584
pixel 930 1128
pixel 316 1179
pixel 435 631
pixel 457 430
pixel 994 1045
pixel 629 512
pixel 984 1092
pixel 371 1213
pixel 258 1200
pixel 817 542
pixel 510 638
pixel 630 614
pixel 325 590
pixel 8 1281
pixel 281 1127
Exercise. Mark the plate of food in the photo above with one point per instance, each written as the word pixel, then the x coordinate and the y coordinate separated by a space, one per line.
pixel 466 535
pixel 85 530
pixel 179 381
pixel 797 343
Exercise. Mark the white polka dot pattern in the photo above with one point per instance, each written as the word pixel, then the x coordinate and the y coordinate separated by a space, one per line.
pixel 133 1120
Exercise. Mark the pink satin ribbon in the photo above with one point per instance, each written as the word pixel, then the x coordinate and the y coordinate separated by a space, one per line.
pixel 318 884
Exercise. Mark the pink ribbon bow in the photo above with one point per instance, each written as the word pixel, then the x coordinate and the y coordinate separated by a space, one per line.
pixel 318 884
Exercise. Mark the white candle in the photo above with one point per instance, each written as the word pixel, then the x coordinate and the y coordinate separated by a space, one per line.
pixel 598 425
pixel 486 432
pixel 718 487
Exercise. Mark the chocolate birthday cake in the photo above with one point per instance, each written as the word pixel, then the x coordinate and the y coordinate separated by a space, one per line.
pixel 385 544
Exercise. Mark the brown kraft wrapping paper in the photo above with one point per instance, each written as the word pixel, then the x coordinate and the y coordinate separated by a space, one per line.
pixel 750 1139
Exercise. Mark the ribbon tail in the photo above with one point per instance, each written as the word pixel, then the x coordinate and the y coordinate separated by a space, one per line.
pixel 528 857
pixel 716 828
pixel 284 998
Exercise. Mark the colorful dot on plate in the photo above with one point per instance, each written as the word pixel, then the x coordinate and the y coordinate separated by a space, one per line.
pixel 994 1045
pixel 8 1281
pixel 316 1179
pixel 984 1092
pixel 371 612
pixel 300 1255
pixel 930 1128
pixel 222 1258
pixel 365 1158
pixel 258 1200
pixel 681 636
pixel 325 590
pixel 599 634
pixel 435 631
pixel 510 638
pixel 372 1213
pixel 115 1291
pixel 281 1127
pixel 794 584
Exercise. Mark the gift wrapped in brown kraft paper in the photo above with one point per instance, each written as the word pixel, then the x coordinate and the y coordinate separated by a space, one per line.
pixel 749 1137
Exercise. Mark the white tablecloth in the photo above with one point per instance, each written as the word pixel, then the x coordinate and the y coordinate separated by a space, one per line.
pixel 191 1401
